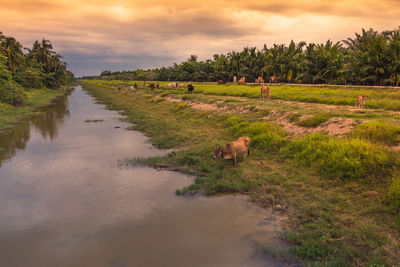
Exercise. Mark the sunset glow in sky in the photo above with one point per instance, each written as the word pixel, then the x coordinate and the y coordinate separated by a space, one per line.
pixel 95 35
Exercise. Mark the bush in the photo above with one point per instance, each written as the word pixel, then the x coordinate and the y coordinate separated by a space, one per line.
pixel 347 159
pixel 394 195
pixel 377 131
pixel 30 78
pixel 10 91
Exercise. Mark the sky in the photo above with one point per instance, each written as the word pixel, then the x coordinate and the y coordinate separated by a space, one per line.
pixel 97 35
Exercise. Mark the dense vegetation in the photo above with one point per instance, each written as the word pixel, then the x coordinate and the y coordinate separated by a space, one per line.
pixel 370 58
pixel 38 68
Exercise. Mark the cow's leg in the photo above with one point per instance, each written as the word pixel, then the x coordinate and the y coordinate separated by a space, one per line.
pixel 234 156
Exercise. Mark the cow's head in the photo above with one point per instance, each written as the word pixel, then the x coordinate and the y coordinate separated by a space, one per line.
pixel 218 152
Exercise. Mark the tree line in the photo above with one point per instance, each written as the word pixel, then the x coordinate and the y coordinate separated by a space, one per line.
pixel 370 58
pixel 26 68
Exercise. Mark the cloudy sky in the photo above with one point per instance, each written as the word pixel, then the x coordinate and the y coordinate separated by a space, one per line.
pixel 95 35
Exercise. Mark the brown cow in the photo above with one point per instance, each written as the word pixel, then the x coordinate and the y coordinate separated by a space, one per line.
pixel 181 85
pixel 221 82
pixel 259 80
pixel 151 86
pixel 242 81
pixel 361 101
pixel 135 85
pixel 265 93
pixel 273 79
pixel 232 149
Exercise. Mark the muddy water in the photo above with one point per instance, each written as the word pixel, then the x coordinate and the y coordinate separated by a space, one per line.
pixel 64 201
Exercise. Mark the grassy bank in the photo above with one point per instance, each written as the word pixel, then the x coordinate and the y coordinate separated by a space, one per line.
pixel 340 194
pixel 10 115
pixel 383 98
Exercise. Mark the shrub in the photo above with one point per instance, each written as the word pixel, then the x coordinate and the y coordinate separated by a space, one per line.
pixel 394 195
pixel 10 91
pixel 347 159
pixel 377 131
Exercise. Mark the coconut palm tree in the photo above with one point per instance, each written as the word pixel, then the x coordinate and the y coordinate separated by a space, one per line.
pixel 393 53
pixel 11 49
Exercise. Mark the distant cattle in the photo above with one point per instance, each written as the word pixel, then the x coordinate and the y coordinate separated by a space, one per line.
pixel 181 85
pixel 132 89
pixel 242 81
pixel 361 101
pixel 265 93
pixel 135 85
pixel 119 88
pixel 273 79
pixel 221 82
pixel 234 79
pixel 151 86
pixel 190 88
pixel 259 80
pixel 232 149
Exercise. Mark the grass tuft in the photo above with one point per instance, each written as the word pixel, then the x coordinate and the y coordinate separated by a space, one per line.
pixel 314 121
pixel 394 195
pixel 377 132
pixel 346 159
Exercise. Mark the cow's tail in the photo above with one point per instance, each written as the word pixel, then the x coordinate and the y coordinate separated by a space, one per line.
pixel 248 151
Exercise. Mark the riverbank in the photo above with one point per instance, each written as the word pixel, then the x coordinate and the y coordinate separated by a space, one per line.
pixel 36 98
pixel 337 209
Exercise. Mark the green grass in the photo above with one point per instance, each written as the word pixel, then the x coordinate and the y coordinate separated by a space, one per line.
pixel 383 98
pixel 394 195
pixel 323 181
pixel 263 135
pixel 378 132
pixel 345 159
pixel 314 121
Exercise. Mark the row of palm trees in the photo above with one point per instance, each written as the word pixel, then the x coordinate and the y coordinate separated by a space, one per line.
pixel 370 58
pixel 39 67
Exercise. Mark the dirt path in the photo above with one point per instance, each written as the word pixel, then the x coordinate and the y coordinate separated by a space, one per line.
pixel 335 126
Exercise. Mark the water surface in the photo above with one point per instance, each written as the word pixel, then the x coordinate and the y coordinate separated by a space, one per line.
pixel 64 201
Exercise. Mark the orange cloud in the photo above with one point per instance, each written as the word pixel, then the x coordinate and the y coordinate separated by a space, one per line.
pixel 130 32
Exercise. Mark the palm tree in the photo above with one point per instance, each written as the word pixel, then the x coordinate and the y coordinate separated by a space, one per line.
pixel 13 51
pixel 393 54
pixel 41 52
pixel 366 58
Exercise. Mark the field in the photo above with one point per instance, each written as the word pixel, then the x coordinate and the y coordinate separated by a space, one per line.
pixel 333 169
